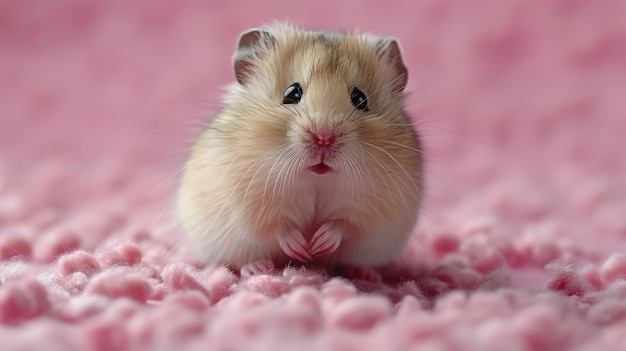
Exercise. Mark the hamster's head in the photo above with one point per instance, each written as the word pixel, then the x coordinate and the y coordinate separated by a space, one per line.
pixel 325 102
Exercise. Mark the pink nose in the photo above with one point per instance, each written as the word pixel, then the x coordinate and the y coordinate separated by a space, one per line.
pixel 324 138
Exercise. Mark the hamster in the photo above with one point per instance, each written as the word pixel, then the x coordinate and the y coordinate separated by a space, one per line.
pixel 312 157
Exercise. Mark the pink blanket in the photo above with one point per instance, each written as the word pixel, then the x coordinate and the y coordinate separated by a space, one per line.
pixel 521 243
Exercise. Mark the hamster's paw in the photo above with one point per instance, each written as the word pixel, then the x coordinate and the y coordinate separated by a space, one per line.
pixel 293 244
pixel 256 268
pixel 362 273
pixel 326 240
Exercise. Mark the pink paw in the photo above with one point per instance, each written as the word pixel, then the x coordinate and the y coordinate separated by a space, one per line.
pixel 256 268
pixel 326 240
pixel 294 245
pixel 362 273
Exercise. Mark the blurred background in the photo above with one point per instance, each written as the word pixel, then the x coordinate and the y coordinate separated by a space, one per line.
pixel 522 108
pixel 116 90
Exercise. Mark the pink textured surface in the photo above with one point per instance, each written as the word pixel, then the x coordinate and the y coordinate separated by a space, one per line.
pixel 522 108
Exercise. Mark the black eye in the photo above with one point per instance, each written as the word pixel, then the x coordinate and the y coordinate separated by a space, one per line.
pixel 293 94
pixel 359 100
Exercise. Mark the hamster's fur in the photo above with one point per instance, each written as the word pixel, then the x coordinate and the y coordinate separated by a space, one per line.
pixel 250 190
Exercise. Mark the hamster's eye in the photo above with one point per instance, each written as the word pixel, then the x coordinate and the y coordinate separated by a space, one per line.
pixel 359 100
pixel 293 94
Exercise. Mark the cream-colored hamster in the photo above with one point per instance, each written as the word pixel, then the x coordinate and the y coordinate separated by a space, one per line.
pixel 312 157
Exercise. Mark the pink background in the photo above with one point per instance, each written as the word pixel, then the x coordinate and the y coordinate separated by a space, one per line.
pixel 522 240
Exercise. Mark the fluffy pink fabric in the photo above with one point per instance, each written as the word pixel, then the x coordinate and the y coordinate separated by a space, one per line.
pixel 522 241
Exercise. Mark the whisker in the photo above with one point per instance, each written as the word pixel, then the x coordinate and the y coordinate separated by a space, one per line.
pixel 186 124
pixel 252 181
pixel 469 137
pixel 394 180
pixel 269 173
pixel 292 170
pixel 357 173
pixel 227 201
pixel 430 227
pixel 176 173
pixel 396 161
pixel 283 182
pixel 467 182
pixel 357 176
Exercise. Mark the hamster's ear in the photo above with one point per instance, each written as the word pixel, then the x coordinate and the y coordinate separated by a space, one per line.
pixel 252 45
pixel 389 50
